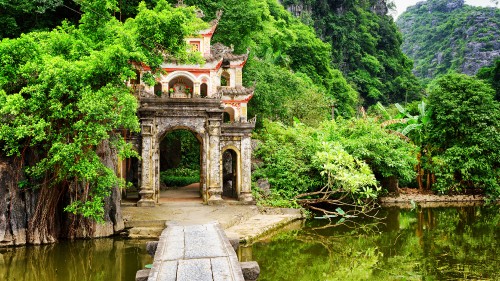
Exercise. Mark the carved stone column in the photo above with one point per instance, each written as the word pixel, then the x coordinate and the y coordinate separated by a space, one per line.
pixel 148 167
pixel 214 158
pixel 196 89
pixel 246 169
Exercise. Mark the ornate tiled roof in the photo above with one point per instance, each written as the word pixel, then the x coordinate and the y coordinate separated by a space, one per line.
pixel 218 51
pixel 235 91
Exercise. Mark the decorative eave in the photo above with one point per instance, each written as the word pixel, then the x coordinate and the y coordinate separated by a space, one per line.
pixel 235 91
pixel 235 58
pixel 209 32
pixel 237 94
pixel 209 65
pixel 218 51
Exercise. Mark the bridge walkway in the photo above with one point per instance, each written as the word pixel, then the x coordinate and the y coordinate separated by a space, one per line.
pixel 195 252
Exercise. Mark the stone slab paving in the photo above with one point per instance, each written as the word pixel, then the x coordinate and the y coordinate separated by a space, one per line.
pixel 258 225
pixel 244 222
pixel 195 252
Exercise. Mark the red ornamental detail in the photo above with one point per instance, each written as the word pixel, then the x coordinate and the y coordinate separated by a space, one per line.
pixel 239 101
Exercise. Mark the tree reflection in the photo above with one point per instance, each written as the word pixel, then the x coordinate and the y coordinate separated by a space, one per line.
pixel 99 259
pixel 421 244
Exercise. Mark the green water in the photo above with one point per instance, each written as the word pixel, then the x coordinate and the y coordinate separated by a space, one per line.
pixel 99 259
pixel 424 244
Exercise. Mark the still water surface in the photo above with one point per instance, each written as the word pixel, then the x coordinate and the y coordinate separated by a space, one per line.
pixel 421 244
pixel 104 259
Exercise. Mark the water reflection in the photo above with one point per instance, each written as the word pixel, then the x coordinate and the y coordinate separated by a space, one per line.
pixel 422 244
pixel 100 259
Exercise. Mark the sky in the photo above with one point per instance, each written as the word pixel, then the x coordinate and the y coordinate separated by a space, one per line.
pixel 401 5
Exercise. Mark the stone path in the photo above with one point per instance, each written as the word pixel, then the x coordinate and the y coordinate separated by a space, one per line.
pixel 195 252
pixel 246 223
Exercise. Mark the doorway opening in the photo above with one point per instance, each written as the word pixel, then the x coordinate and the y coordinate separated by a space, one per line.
pixel 180 166
pixel 230 174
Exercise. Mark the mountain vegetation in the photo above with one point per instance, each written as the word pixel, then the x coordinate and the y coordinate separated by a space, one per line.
pixel 443 36
pixel 365 46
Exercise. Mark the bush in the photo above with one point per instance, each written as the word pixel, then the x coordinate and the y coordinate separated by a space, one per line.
pixel 179 177
pixel 344 155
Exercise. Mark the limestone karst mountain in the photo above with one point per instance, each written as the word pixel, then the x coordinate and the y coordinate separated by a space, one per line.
pixel 448 35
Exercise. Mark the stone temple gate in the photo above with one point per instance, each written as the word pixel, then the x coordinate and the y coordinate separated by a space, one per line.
pixel 208 100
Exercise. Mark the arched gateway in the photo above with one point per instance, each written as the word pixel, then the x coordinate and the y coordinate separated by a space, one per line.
pixel 191 97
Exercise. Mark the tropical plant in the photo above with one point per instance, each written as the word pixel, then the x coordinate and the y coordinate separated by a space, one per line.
pixel 412 128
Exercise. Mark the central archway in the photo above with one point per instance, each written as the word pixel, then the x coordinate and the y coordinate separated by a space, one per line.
pixel 180 165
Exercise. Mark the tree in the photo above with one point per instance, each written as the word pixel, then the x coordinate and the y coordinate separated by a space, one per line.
pixel 464 134
pixel 411 127
pixel 62 96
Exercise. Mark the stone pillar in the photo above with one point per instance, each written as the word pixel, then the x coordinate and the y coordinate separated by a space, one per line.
pixel 243 113
pixel 148 167
pixel 246 169
pixel 214 158
pixel 238 77
pixel 196 89
pixel 164 86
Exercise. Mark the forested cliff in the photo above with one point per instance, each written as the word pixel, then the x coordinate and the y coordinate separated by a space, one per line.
pixel 447 35
pixel 365 46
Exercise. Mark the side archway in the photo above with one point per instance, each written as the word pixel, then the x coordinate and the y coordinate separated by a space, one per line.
pixel 231 175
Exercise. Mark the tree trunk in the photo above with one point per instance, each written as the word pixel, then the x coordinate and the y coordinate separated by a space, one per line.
pixel 36 216
pixel 14 205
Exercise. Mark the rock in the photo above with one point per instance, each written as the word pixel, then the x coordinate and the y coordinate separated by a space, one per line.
pixel 459 39
pixel 251 270
pixel 151 247
pixel 380 8
pixel 142 275
pixel 235 242
pixel 264 186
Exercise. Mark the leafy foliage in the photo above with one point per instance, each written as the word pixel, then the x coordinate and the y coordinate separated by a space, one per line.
pixel 464 131
pixel 179 177
pixel 346 156
pixel 22 16
pixel 62 96
pixel 365 46
pixel 492 76
pixel 281 95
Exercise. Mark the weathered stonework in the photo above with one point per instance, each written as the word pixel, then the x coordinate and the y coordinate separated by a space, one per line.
pixel 208 100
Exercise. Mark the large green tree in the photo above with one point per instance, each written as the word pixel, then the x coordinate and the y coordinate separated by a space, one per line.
pixel 62 95
pixel 464 132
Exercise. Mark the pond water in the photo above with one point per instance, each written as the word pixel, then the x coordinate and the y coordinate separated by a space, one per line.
pixel 104 259
pixel 422 244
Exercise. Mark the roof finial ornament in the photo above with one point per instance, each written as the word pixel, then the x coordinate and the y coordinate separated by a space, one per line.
pixel 218 15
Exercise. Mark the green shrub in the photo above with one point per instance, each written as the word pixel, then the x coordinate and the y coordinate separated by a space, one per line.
pixel 179 177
